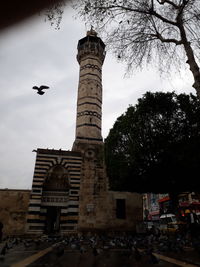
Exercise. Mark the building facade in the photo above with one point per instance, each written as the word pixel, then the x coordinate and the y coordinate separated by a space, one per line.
pixel 54 199
pixel 155 205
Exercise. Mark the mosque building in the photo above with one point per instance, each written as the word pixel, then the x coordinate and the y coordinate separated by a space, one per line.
pixel 70 190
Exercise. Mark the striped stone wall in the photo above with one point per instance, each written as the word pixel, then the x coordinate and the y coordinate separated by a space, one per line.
pixel 67 201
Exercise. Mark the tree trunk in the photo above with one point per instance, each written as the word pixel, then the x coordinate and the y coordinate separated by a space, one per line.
pixel 190 57
pixel 193 67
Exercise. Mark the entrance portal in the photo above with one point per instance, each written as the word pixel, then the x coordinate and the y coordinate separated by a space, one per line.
pixel 53 220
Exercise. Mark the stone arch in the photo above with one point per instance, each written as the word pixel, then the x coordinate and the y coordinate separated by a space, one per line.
pixel 56 179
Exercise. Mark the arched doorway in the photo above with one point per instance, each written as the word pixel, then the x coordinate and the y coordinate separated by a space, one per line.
pixel 54 197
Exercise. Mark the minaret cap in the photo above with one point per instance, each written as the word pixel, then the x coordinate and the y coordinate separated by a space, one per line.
pixel 91 32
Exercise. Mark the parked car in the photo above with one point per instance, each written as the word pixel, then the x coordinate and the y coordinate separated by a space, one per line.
pixel 170 224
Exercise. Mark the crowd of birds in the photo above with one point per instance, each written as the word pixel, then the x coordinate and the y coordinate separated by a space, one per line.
pixel 135 247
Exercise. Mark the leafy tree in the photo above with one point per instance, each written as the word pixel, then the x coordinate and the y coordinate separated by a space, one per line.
pixel 145 31
pixel 155 145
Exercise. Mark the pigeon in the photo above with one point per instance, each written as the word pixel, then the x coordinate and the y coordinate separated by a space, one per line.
pixel 137 254
pixel 60 250
pixel 37 242
pixel 3 251
pixel 26 244
pixel 153 259
pixel 42 87
pixel 94 251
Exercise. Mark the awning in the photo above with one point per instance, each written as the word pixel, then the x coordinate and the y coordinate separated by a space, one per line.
pixel 184 204
pixel 156 212
pixel 195 203
pixel 164 199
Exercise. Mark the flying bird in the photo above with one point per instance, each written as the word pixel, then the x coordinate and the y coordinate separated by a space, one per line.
pixel 42 87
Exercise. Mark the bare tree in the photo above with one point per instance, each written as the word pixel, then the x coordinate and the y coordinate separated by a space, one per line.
pixel 145 31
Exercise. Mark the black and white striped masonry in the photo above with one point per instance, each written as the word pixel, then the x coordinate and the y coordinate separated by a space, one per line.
pixel 56 183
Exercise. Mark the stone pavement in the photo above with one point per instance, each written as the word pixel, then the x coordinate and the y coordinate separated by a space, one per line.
pixel 189 255
pixel 104 259
pixel 18 257
pixel 98 251
pixel 15 253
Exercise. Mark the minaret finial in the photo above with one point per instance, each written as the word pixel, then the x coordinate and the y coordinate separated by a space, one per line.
pixel 91 32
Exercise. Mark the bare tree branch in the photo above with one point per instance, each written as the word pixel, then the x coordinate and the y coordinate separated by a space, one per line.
pixel 162 2
pixel 162 39
pixel 141 32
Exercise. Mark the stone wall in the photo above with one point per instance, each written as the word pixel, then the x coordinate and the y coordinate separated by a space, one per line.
pixel 133 211
pixel 14 206
pixel 13 210
pixel 93 188
pixel 98 205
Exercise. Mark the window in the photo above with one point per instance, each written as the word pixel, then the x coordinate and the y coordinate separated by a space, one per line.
pixel 121 208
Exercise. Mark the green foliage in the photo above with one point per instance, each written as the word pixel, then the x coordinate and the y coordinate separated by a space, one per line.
pixel 155 145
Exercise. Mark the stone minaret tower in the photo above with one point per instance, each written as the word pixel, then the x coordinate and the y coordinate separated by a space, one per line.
pixel 91 54
pixel 94 184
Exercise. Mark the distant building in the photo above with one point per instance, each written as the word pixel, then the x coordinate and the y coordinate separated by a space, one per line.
pixel 151 209
pixel 155 205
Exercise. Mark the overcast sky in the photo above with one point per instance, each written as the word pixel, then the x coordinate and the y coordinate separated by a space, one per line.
pixel 34 53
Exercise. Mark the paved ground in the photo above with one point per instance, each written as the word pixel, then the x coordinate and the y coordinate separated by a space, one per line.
pixel 189 255
pixel 20 252
pixel 87 259
pixel 72 252
pixel 73 258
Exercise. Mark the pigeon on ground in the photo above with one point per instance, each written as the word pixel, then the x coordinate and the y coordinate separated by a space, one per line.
pixel 3 251
pixel 137 254
pixel 42 87
pixel 153 259
pixel 60 250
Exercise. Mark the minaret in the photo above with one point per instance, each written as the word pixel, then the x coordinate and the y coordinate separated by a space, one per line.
pixel 91 54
